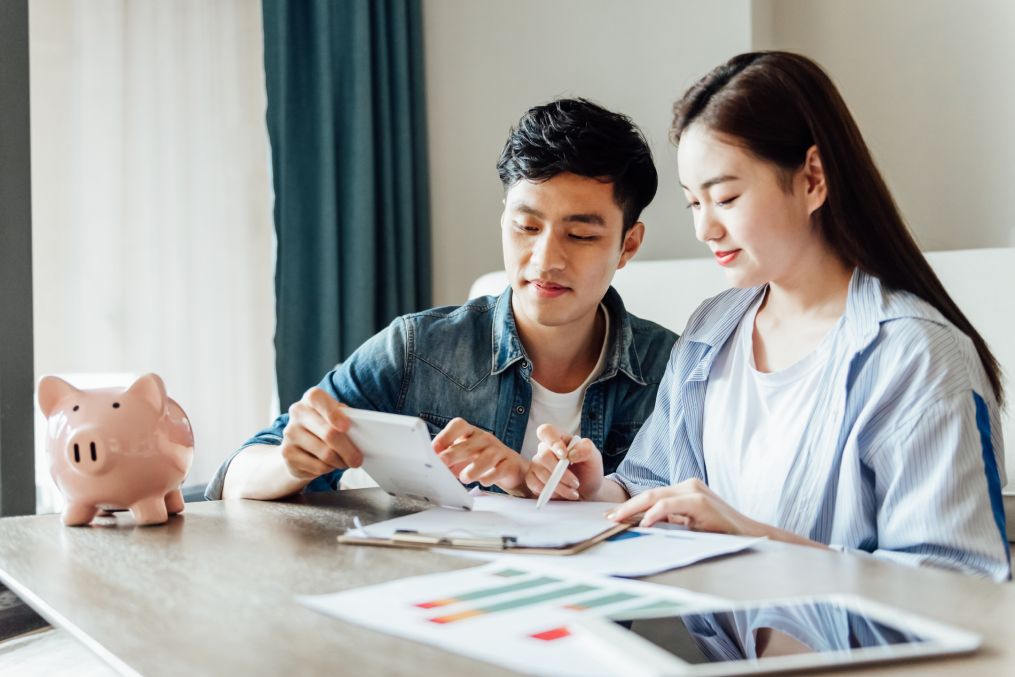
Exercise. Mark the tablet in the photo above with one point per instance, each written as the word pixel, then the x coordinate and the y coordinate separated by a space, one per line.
pixel 769 637
pixel 398 455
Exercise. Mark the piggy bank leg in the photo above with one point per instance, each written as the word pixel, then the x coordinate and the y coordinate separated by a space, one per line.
pixel 174 501
pixel 77 514
pixel 150 511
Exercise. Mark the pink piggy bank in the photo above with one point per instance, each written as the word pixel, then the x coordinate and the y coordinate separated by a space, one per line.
pixel 112 449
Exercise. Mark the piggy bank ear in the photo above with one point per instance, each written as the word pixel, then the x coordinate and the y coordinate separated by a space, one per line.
pixel 149 388
pixel 51 391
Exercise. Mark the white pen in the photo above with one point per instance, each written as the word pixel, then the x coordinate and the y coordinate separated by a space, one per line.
pixel 558 472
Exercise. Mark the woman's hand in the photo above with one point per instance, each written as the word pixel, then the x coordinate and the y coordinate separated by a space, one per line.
pixel 691 503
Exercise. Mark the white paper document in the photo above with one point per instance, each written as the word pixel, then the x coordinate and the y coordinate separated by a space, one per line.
pixel 516 616
pixel 632 553
pixel 556 525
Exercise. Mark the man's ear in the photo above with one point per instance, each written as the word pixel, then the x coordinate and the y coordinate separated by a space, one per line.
pixel 816 190
pixel 631 244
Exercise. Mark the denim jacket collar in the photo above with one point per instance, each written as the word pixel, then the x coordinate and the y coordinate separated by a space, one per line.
pixel 622 355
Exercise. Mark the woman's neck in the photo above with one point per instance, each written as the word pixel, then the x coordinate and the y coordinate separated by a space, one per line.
pixel 816 288
pixel 798 311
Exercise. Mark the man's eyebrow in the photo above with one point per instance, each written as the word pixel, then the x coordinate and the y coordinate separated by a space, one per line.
pixel 715 181
pixel 526 209
pixel 590 218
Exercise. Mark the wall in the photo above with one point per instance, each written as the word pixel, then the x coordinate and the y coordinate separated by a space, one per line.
pixel 931 86
pixel 488 62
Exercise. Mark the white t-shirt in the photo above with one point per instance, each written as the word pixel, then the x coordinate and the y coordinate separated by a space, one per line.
pixel 754 422
pixel 563 410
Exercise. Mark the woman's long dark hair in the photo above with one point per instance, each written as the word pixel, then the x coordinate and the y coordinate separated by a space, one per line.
pixel 778 105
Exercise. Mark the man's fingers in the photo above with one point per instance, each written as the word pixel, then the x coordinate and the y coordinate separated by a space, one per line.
pixel 569 480
pixel 349 455
pixel 455 429
pixel 321 439
pixel 545 457
pixel 548 433
pixel 484 463
pixel 301 462
pixel 462 452
pixel 583 451
pixel 328 408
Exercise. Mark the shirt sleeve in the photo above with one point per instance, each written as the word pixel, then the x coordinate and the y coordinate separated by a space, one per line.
pixel 647 463
pixel 938 490
pixel 372 378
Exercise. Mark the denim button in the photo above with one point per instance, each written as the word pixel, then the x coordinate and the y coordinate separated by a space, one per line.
pixel 525 364
pixel 520 409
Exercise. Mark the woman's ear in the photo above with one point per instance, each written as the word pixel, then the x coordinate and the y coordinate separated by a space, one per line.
pixel 816 190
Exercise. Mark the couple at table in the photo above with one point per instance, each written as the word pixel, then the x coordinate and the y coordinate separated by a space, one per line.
pixel 835 396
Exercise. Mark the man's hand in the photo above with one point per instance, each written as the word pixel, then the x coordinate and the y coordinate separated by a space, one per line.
pixel 475 455
pixel 584 476
pixel 314 442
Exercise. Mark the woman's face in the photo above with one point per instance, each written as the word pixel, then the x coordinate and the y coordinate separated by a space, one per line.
pixel 758 228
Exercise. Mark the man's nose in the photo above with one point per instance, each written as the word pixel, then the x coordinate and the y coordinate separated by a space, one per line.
pixel 547 253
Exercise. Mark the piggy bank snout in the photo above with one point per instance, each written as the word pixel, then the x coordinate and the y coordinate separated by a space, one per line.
pixel 87 452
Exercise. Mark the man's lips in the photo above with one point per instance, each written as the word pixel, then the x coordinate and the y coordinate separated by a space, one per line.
pixel 726 256
pixel 545 288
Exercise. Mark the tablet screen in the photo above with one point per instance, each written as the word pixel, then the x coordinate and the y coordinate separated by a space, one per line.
pixel 768 630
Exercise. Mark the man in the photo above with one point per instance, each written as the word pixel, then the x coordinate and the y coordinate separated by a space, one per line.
pixel 556 347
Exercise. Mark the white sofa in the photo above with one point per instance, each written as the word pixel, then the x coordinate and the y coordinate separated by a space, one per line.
pixel 982 282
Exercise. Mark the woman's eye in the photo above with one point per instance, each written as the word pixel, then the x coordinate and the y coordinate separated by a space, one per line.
pixel 525 228
pixel 693 205
pixel 727 202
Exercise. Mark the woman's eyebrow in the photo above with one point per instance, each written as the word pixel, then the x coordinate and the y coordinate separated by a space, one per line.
pixel 714 181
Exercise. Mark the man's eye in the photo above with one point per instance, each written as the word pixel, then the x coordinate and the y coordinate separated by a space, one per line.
pixel 727 202
pixel 525 228
pixel 583 238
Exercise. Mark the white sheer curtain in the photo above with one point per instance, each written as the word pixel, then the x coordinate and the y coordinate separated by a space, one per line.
pixel 152 237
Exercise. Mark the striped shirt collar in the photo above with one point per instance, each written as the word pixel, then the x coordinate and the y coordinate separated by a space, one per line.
pixel 868 305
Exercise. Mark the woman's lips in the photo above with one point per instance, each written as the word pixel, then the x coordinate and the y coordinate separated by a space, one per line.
pixel 548 289
pixel 726 257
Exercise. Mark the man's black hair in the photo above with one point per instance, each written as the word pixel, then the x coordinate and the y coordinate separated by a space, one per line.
pixel 579 137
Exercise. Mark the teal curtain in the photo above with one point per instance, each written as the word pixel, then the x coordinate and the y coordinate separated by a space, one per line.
pixel 346 119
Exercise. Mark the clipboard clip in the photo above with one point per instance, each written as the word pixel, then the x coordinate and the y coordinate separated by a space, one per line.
pixel 410 536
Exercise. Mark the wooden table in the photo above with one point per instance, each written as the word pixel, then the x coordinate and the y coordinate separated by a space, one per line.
pixel 211 592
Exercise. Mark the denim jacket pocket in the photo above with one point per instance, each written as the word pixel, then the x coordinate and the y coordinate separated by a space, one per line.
pixel 619 438
pixel 436 423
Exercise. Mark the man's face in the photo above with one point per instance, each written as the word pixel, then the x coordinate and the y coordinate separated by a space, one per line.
pixel 562 245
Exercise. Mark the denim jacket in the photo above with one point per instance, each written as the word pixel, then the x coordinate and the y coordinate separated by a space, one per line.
pixel 467 361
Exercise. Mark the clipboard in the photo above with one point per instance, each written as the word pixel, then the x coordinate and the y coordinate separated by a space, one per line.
pixel 425 541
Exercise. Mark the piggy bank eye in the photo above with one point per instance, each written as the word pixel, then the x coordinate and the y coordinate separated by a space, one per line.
pixel 76 407
pixel 116 405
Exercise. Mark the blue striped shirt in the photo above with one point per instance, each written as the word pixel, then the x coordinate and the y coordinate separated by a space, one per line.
pixel 903 456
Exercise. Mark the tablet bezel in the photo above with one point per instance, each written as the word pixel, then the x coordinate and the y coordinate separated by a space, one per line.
pixel 397 452
pixel 634 655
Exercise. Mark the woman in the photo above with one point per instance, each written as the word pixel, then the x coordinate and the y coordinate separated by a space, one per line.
pixel 836 396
